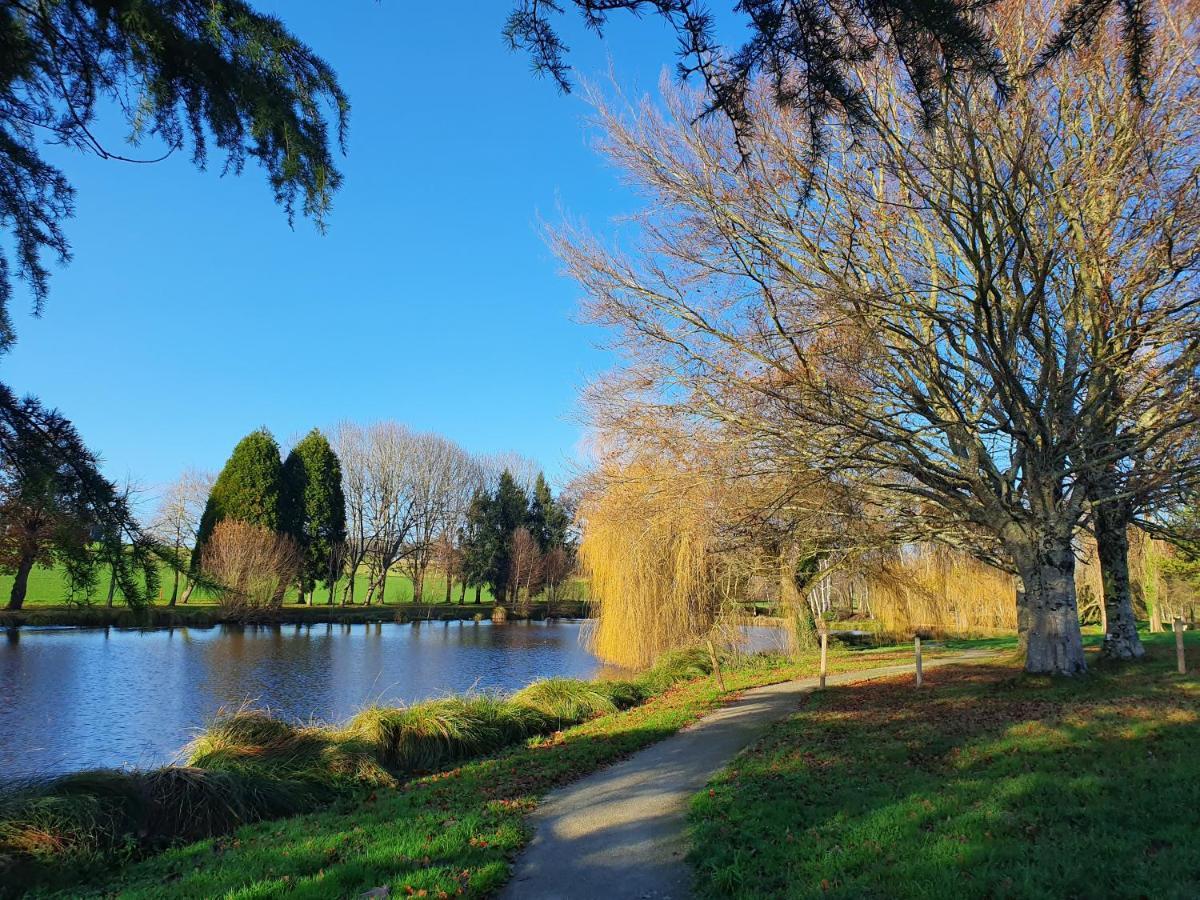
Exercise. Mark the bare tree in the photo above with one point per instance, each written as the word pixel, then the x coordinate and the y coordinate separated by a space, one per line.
pixel 253 565
pixel 350 444
pixel 911 315
pixel 177 522
pixel 525 571
pixel 391 504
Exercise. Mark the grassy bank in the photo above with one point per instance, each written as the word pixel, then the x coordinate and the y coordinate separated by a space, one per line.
pixel 985 783
pixel 446 831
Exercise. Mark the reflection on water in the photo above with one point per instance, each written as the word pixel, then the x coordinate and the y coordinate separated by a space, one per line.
pixel 73 699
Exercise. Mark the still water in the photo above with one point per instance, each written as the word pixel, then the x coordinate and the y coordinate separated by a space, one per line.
pixel 72 699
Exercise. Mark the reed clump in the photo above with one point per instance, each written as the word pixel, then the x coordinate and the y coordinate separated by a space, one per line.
pixel 566 701
pixel 250 741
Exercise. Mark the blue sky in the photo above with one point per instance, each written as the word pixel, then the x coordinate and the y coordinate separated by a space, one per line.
pixel 192 313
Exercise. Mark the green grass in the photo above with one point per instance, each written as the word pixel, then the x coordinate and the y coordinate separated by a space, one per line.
pixel 449 831
pixel 48 587
pixel 985 783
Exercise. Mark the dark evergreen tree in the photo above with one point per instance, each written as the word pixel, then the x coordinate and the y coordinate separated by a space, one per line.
pixel 315 509
pixel 487 538
pixel 805 48
pixel 473 542
pixel 548 520
pixel 190 73
pixel 508 511
pixel 56 507
pixel 249 489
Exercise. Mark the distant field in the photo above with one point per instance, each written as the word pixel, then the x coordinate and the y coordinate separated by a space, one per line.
pixel 48 588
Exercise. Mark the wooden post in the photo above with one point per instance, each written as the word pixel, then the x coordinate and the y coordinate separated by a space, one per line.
pixel 1178 624
pixel 716 665
pixel 824 655
pixel 920 674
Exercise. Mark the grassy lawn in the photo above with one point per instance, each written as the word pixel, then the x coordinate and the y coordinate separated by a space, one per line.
pixel 446 834
pixel 47 587
pixel 985 783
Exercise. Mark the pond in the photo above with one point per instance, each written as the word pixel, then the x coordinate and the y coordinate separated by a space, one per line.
pixel 73 699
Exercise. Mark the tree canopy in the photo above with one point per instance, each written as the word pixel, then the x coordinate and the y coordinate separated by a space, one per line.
pixel 249 489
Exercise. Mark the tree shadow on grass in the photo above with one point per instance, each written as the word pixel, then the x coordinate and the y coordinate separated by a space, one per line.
pixel 985 784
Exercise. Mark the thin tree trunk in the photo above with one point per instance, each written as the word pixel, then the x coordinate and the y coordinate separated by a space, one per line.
pixel 462 592
pixel 478 593
pixel 1121 639
pixel 174 587
pixel 187 591
pixel 112 585
pixel 449 586
pixel 1047 610
pixel 20 587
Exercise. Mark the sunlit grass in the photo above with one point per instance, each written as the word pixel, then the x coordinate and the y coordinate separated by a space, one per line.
pixel 986 782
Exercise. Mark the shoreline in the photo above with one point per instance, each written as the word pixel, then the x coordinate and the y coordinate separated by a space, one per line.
pixel 211 616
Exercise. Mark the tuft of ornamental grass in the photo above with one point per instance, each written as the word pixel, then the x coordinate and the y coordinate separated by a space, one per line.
pixel 674 667
pixel 79 820
pixel 252 743
pixel 437 733
pixel 566 700
pixel 624 694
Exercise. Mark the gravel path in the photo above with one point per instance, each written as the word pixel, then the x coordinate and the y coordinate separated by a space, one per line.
pixel 619 833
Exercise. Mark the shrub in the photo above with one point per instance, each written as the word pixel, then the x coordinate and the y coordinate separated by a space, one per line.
pixel 252 564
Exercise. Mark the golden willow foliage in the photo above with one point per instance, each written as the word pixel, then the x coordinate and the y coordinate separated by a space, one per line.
pixel 648 550
pixel 940 589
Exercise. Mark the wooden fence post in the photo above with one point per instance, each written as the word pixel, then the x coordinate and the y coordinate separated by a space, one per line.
pixel 716 664
pixel 824 655
pixel 1179 658
pixel 920 674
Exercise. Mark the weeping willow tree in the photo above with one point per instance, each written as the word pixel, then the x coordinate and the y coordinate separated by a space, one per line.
pixel 939 588
pixel 650 552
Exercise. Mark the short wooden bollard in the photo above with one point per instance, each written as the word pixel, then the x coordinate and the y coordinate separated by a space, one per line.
pixel 920 674
pixel 824 656
pixel 716 666
pixel 1179 658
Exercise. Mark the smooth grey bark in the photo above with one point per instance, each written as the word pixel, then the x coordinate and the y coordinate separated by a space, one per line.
pixel 1047 609
pixel 1121 639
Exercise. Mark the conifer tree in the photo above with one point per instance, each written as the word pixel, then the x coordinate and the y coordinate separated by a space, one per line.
pixel 548 519
pixel 315 508
pixel 249 489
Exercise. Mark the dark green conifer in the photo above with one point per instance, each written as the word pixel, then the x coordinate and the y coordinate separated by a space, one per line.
pixel 315 508
pixel 249 489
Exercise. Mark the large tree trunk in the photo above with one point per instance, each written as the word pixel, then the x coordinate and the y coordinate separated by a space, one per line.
pixel 478 593
pixel 174 587
pixel 793 604
pixel 1121 639
pixel 20 587
pixel 449 587
pixel 1047 612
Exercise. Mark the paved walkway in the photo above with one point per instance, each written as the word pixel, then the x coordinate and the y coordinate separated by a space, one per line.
pixel 619 833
